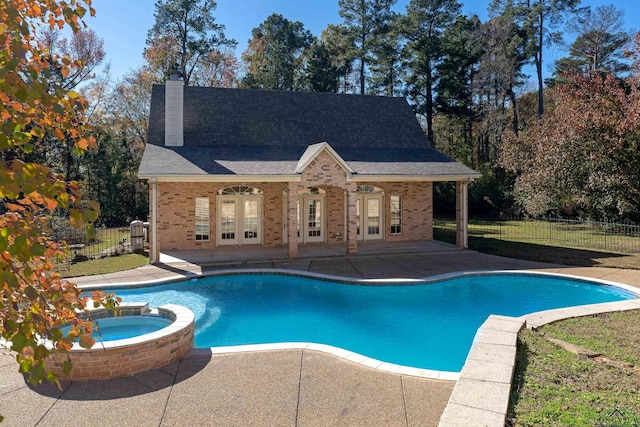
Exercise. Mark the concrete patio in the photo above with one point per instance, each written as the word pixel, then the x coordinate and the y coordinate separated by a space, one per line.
pixel 284 387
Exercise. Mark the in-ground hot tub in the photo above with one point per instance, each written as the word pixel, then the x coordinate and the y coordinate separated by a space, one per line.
pixel 112 358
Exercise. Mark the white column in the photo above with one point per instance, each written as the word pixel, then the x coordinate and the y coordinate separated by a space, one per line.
pixel 154 255
pixel 352 231
pixel 292 219
pixel 462 214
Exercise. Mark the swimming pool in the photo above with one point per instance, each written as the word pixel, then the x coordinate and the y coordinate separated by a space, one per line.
pixel 429 325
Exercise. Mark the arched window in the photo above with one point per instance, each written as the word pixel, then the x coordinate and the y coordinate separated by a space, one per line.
pixel 369 189
pixel 239 190
pixel 313 190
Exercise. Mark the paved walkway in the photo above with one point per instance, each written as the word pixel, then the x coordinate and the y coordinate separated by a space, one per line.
pixel 283 388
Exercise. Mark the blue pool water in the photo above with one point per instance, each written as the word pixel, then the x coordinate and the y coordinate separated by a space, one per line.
pixel 119 328
pixel 429 325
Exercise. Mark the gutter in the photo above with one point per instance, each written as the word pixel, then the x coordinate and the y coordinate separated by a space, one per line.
pixel 298 178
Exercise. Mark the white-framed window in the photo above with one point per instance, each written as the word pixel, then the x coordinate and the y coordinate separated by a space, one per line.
pixel 202 219
pixel 396 214
pixel 239 215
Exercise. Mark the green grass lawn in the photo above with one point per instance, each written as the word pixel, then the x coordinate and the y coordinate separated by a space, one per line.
pixel 553 387
pixel 106 239
pixel 532 240
pixel 106 265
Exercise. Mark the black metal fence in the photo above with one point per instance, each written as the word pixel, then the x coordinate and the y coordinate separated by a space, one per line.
pixel 609 236
pixel 107 242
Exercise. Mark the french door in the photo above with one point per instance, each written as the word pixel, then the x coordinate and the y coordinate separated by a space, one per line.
pixel 311 218
pixel 239 220
pixel 369 220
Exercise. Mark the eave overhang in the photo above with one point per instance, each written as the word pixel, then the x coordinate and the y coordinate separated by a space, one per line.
pixel 298 178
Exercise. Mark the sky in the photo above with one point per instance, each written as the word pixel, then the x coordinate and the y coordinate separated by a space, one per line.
pixel 123 24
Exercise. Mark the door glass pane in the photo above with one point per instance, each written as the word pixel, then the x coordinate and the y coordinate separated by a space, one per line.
pixel 373 216
pixel 358 207
pixel 314 218
pixel 228 220
pixel 299 221
pixel 250 219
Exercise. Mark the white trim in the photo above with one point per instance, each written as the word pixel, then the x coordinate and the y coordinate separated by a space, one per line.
pixel 154 221
pixel 391 196
pixel 222 178
pixel 298 178
pixel 363 224
pixel 303 218
pixel 413 178
pixel 319 148
pixel 198 207
pixel 239 201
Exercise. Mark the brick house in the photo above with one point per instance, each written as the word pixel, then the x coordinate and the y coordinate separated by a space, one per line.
pixel 253 167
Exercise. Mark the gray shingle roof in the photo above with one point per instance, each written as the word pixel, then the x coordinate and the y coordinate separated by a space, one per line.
pixel 256 132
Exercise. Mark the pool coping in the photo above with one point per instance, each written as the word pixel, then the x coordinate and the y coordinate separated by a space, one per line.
pixel 109 359
pixel 483 389
pixel 349 280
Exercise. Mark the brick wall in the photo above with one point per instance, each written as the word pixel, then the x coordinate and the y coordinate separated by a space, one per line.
pixel 335 210
pixel 323 171
pixel 176 201
pixel 176 213
pixel 417 209
pixel 100 363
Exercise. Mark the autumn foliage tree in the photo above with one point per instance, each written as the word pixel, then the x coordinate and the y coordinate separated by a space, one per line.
pixel 34 301
pixel 583 159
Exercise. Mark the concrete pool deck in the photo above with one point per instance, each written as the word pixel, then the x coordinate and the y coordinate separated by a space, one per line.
pixel 282 387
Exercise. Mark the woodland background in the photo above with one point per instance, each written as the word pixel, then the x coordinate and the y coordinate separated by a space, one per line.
pixel 565 146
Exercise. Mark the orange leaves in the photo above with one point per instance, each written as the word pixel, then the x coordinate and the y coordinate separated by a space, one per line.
pixel 34 10
pixel 49 203
pixel 63 345
pixel 58 133
pixel 34 301
pixel 14 207
pixel 84 143
pixel 97 295
pixel 25 90
pixel 86 341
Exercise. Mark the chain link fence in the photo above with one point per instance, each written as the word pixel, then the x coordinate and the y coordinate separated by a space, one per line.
pixel 609 236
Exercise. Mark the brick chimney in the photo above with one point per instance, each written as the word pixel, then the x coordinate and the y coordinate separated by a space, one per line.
pixel 173 109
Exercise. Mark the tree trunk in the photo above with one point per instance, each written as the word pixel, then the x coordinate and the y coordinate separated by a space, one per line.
pixel 538 60
pixel 513 100
pixel 362 76
pixel 429 105
pixel 362 66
